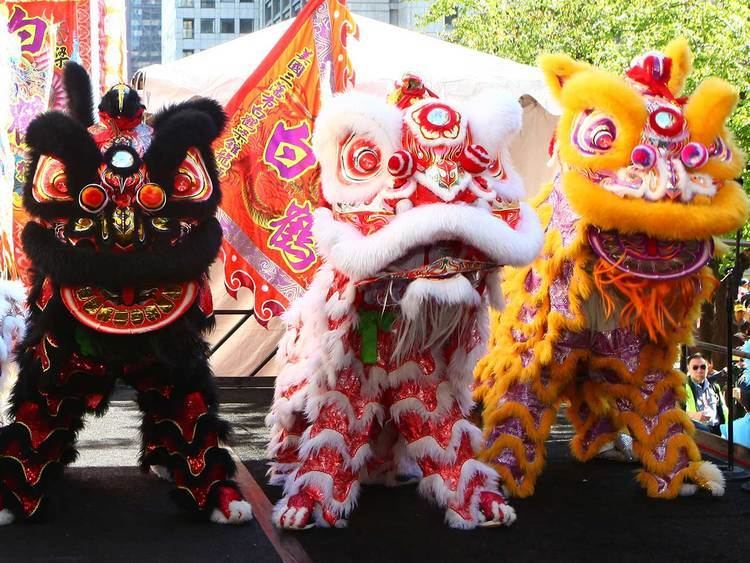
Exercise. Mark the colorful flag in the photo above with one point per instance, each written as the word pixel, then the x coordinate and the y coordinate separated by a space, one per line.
pixel 269 174
pixel 43 36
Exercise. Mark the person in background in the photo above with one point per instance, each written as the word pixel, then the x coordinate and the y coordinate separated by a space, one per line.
pixel 741 429
pixel 745 361
pixel 743 294
pixel 739 313
pixel 704 403
pixel 743 289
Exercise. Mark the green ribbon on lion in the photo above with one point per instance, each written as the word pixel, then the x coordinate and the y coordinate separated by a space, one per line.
pixel 370 322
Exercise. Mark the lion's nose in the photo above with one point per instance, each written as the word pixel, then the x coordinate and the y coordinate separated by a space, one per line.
pixel 643 156
pixel 401 166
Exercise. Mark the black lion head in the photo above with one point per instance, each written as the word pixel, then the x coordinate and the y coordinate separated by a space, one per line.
pixel 122 202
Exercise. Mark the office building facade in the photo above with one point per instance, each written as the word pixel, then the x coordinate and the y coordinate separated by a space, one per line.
pixel 166 30
pixel 144 30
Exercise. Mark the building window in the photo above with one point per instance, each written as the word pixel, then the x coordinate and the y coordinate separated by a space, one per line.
pixel 267 12
pixel 207 25
pixel 227 25
pixel 186 4
pixel 246 25
pixel 208 3
pixel 186 52
pixel 246 1
pixel 187 28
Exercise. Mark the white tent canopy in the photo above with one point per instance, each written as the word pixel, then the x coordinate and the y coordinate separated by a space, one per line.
pixel 382 54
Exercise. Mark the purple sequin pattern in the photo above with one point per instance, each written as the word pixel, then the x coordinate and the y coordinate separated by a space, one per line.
pixel 559 291
pixel 526 357
pixel 603 425
pixel 660 451
pixel 512 427
pixel 532 281
pixel 526 314
pixel 664 480
pixel 619 343
pixel 563 217
pixel 522 393
pixel 568 342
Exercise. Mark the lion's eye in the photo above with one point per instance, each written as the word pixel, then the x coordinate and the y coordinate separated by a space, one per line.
pixel 50 181
pixel 594 133
pixel 360 159
pixel 192 181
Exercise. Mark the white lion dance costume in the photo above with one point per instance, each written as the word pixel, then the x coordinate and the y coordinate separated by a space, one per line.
pixel 380 350
pixel 12 325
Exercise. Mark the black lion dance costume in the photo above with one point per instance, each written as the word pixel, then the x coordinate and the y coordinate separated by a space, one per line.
pixel 122 237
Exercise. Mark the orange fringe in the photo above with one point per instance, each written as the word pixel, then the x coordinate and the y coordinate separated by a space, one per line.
pixel 658 307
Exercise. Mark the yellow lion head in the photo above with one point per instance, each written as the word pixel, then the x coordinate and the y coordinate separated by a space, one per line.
pixel 637 157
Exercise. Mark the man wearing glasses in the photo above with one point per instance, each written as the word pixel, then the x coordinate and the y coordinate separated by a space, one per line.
pixel 704 402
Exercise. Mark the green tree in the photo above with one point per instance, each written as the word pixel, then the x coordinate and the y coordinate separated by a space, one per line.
pixel 609 33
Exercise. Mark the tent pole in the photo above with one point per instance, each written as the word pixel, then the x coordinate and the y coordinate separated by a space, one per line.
pixel 264 362
pixel 229 334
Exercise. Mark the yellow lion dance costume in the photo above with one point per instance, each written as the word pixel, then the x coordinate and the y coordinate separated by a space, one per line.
pixel 643 182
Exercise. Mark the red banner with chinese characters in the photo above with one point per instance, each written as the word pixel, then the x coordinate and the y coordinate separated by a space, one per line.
pixel 45 34
pixel 269 174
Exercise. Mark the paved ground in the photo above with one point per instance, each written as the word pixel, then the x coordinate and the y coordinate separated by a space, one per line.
pixel 107 510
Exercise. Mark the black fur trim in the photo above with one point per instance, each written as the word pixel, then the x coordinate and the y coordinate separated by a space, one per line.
pixel 68 265
pixel 215 455
pixel 11 466
pixel 152 432
pixel 19 432
pixel 185 129
pixel 14 505
pixel 205 105
pixel 171 140
pixel 78 87
pixel 116 103
pixel 184 500
pixel 57 135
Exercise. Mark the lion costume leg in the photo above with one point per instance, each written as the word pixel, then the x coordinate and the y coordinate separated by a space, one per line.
pixel 333 450
pixel 518 424
pixel 646 391
pixel 592 410
pixel 182 432
pixel 284 448
pixel 444 444
pixel 55 389
pixel 593 419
